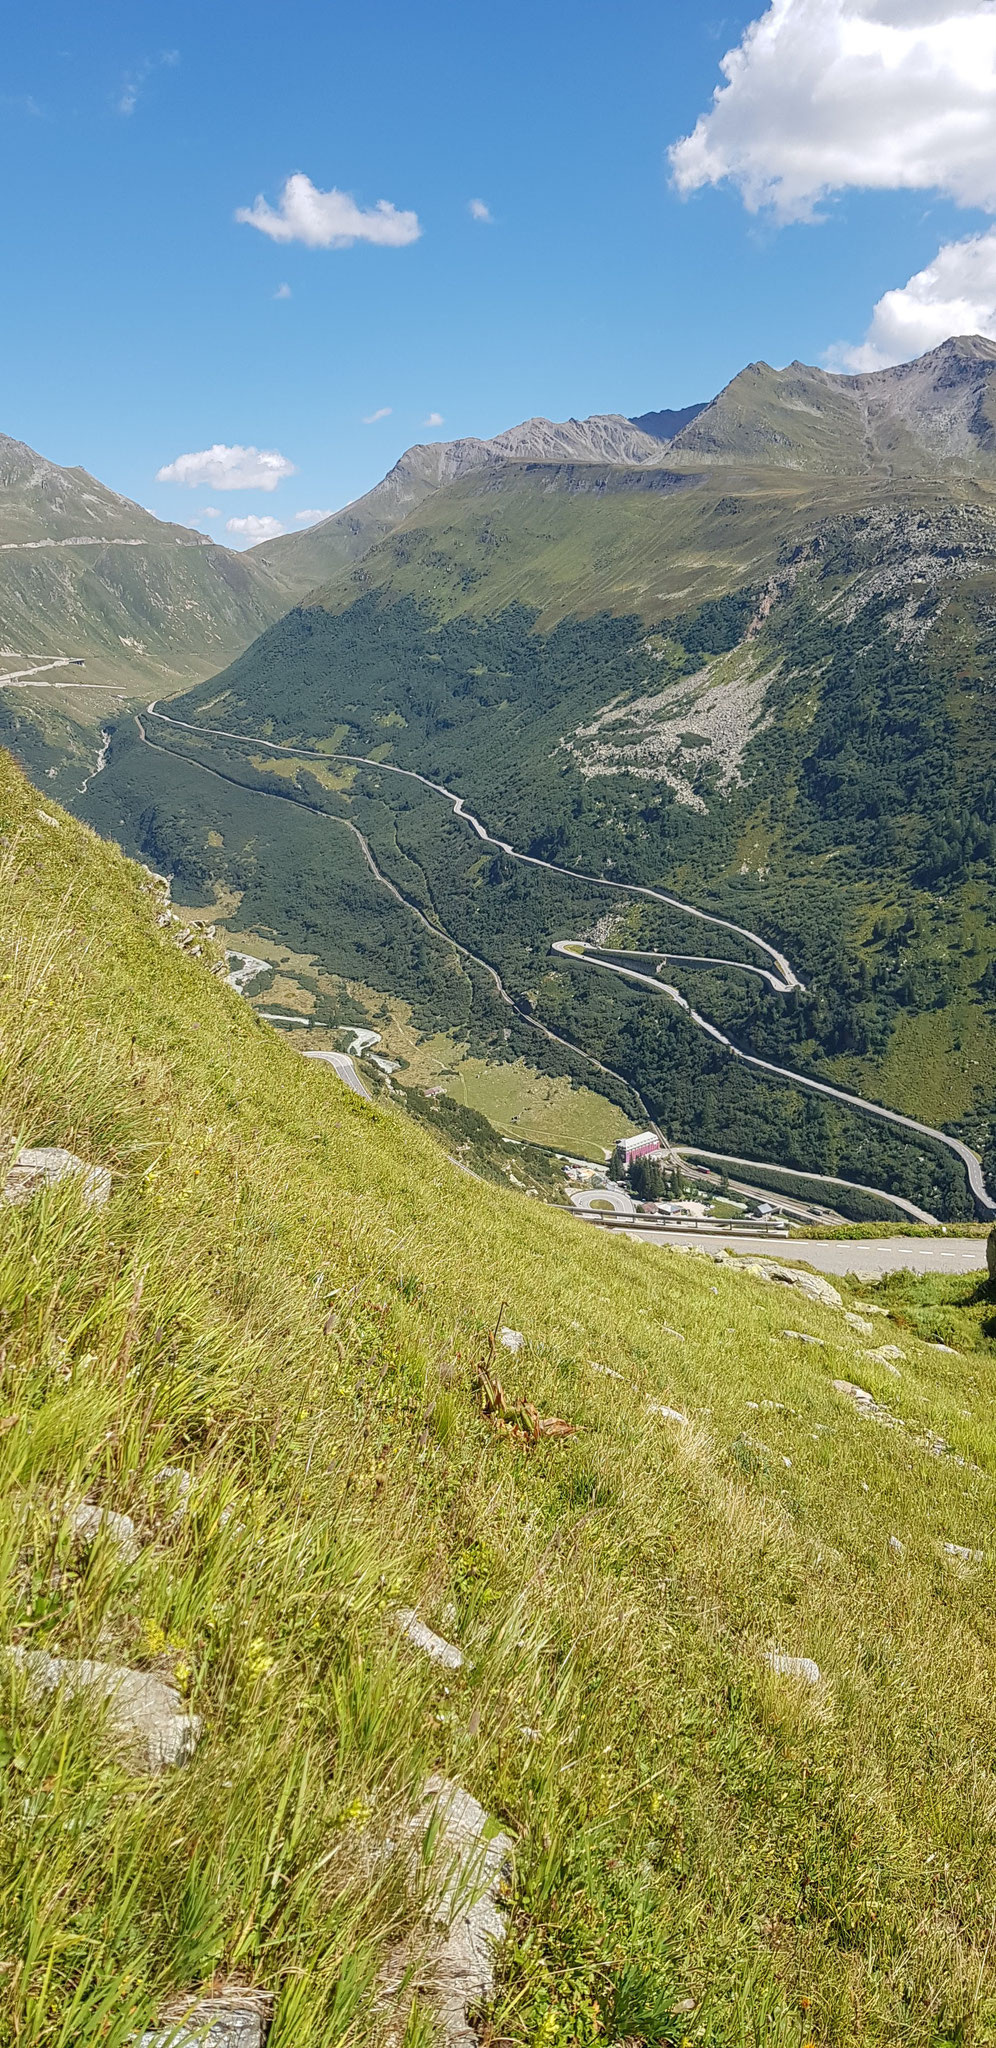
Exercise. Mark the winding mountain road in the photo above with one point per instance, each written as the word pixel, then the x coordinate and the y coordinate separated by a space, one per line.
pixel 783 980
pixel 580 950
pixel 438 931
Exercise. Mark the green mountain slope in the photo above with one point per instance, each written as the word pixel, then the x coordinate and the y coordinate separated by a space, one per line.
pixel 936 415
pixel 301 561
pixel 88 577
pixel 287 1300
pixel 794 734
pixel 763 689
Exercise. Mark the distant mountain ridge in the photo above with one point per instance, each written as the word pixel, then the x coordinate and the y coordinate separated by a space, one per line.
pixel 935 416
pixel 301 561
pixel 40 501
pixel 84 571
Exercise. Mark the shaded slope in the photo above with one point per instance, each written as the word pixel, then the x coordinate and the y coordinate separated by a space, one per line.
pixel 301 561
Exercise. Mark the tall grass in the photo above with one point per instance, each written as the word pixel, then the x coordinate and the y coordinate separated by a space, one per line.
pixel 287 1297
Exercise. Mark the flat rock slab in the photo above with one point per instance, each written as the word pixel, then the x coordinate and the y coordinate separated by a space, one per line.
pixel 146 1715
pixel 468 1861
pixel 211 2023
pixel 46 1166
pixel 89 1524
pixel 804 1668
pixel 425 1639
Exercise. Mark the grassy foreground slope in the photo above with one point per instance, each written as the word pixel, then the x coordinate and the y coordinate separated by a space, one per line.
pixel 287 1296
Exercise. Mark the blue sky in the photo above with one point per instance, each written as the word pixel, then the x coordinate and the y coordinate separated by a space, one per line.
pixel 143 320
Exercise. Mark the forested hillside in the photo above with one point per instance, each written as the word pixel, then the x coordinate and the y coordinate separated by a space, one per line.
pixel 810 752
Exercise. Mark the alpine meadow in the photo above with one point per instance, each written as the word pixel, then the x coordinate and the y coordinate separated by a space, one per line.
pixel 498 1026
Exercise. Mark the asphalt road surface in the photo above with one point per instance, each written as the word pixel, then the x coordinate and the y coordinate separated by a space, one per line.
pixel 870 1256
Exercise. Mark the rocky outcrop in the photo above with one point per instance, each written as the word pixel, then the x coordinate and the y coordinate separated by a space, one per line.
pixel 803 1668
pixel 809 1284
pixel 145 1715
pixel 436 1648
pixel 463 1923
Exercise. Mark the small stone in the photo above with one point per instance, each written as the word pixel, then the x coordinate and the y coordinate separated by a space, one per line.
pixel 88 1523
pixel 793 1667
pixel 144 1712
pixel 963 1555
pixel 859 1395
pixel 897 1548
pixel 435 1647
pixel 669 1414
pixel 608 1373
pixel 859 1323
pixel 801 1337
pixel 886 1354
pixel 46 1166
pixel 513 1340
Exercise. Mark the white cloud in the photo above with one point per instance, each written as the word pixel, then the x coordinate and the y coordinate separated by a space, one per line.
pixel 229 469
pixel 310 518
pixel 134 80
pixel 823 95
pixel 328 220
pixel 433 419
pixel 955 294
pixel 479 211
pixel 383 412
pixel 255 526
pixel 208 512
pixel 283 291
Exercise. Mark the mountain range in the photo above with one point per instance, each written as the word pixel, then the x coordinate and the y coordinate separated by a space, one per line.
pixel 935 416
pixel 751 662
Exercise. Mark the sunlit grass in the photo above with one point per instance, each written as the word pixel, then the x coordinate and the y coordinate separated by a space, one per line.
pixel 287 1297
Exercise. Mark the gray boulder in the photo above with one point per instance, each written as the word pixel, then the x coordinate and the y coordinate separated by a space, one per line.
pixel 88 1524
pixel 46 1166
pixel 810 1284
pixel 210 2023
pixel 145 1714
pixel 859 1323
